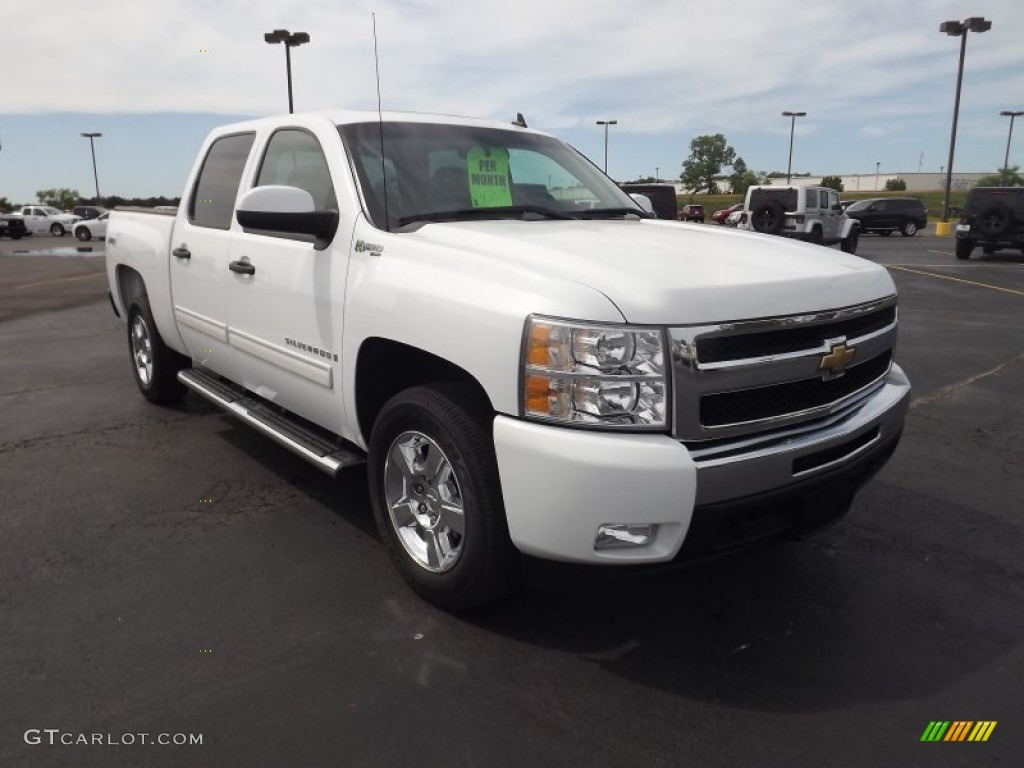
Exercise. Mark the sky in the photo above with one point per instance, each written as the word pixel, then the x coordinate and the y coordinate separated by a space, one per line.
pixel 876 78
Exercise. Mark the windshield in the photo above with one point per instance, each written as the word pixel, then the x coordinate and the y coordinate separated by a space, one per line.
pixel 860 205
pixel 52 211
pixel 454 172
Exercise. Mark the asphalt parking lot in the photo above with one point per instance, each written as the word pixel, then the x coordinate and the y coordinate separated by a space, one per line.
pixel 170 571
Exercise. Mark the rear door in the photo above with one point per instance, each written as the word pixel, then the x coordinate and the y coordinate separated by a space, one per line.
pixel 201 250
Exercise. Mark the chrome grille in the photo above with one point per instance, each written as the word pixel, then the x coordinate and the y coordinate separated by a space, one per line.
pixel 742 378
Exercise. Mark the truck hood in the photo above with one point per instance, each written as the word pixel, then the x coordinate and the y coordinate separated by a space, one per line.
pixel 668 273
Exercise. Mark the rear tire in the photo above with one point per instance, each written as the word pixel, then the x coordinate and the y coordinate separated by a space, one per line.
pixel 963 249
pixel 815 237
pixel 436 496
pixel 154 364
pixel 83 234
pixel 57 230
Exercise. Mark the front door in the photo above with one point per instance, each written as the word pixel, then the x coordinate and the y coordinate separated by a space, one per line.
pixel 285 306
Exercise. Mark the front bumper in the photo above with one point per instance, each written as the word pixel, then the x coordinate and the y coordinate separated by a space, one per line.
pixel 561 484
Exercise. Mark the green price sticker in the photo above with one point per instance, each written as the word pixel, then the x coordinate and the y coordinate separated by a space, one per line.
pixel 488 177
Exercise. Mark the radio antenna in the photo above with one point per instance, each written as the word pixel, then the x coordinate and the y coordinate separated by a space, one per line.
pixel 380 125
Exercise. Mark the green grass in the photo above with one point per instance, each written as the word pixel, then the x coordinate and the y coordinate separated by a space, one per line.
pixel 932 200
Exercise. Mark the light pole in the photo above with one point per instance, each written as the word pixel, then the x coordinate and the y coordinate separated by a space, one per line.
pixel 290 41
pixel 95 176
pixel 792 127
pixel 606 123
pixel 1006 159
pixel 657 174
pixel 958 29
pixel 878 164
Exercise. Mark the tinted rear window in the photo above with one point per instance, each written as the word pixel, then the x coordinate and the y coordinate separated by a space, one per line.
pixel 213 199
pixel 982 197
pixel 785 196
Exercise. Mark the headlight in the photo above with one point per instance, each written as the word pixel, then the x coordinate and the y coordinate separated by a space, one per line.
pixel 601 375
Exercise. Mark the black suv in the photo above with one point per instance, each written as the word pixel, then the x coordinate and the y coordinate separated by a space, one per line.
pixel 993 218
pixel 886 215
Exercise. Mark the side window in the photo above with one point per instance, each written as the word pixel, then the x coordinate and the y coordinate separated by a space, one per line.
pixel 822 199
pixel 833 199
pixel 213 198
pixel 882 205
pixel 295 158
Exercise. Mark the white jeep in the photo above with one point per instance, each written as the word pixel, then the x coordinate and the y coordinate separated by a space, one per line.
pixel 806 213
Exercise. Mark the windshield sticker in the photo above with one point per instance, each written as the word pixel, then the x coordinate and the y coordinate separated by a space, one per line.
pixel 488 177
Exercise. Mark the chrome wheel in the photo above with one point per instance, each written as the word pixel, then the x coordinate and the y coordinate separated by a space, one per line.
pixel 424 501
pixel 142 351
pixel 57 230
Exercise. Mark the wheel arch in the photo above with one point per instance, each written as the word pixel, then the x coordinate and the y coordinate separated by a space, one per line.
pixel 385 367
pixel 130 286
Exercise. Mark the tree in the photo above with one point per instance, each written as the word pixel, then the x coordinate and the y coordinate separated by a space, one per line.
pixel 833 182
pixel 6 205
pixel 1012 178
pixel 895 185
pixel 708 154
pixel 60 197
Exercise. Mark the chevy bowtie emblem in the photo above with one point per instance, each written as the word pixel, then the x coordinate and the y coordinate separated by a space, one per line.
pixel 838 358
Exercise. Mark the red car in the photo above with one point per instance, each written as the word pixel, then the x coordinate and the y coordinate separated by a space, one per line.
pixel 721 214
pixel 692 213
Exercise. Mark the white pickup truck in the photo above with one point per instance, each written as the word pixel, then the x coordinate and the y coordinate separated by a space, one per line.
pixel 526 362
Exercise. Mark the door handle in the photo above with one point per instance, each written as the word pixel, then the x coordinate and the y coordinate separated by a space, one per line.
pixel 182 252
pixel 242 267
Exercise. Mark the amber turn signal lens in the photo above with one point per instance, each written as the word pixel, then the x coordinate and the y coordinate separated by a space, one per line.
pixel 537 352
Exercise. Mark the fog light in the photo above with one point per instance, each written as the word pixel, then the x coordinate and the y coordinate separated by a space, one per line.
pixel 623 536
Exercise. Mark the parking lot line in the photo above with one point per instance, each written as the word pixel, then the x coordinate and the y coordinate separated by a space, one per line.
pixel 957 280
pixel 60 280
pixel 952 389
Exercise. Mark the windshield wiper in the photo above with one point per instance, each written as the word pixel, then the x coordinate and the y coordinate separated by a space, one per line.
pixel 499 212
pixel 608 213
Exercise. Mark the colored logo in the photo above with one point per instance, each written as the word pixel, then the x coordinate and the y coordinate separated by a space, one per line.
pixel 959 730
pixel 839 357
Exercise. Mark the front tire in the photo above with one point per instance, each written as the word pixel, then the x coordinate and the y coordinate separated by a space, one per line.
pixel 909 229
pixel 57 230
pixel 436 496
pixel 963 249
pixel 83 234
pixel 154 364
pixel 849 243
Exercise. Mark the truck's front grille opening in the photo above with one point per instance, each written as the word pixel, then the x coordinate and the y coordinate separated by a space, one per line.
pixel 747 405
pixel 830 455
pixel 752 345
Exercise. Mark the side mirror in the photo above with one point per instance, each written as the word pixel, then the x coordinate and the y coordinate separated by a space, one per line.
pixel 281 211
pixel 643 201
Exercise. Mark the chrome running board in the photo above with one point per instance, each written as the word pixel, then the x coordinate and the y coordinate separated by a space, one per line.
pixel 330 456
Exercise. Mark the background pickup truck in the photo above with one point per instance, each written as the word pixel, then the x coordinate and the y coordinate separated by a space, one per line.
pixel 526 362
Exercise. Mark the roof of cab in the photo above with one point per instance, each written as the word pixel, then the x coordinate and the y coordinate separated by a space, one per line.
pixel 349 116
